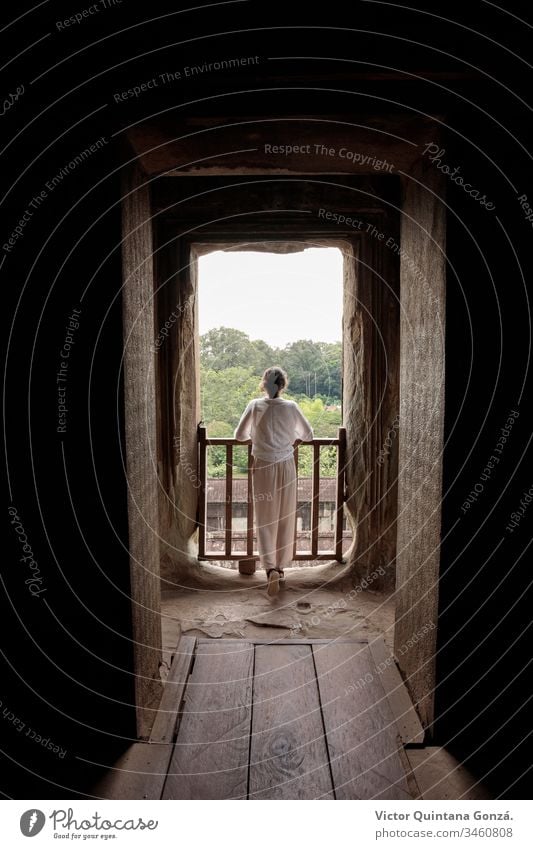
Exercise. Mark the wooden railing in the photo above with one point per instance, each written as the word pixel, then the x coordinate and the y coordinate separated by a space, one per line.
pixel 228 554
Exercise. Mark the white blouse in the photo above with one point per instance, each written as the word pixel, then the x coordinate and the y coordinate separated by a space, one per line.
pixel 273 424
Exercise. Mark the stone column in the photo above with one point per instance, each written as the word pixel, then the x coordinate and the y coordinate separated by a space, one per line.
pixel 422 283
pixel 140 415
pixel 357 336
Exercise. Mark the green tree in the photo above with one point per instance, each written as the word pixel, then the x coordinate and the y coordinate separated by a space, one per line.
pixel 225 394
pixel 330 374
pixel 314 368
pixel 216 456
pixel 302 360
pixel 325 423
pixel 327 463
pixel 224 347
pixel 263 356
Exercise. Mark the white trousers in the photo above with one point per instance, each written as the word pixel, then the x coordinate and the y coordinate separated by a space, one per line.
pixel 274 488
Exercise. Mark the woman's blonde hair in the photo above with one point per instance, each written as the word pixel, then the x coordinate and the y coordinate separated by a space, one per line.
pixel 274 381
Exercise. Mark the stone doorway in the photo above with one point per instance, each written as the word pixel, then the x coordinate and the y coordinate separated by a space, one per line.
pixel 370 357
pixel 279 303
pixel 156 248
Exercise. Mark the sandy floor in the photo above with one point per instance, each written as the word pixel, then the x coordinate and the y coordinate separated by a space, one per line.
pixel 247 612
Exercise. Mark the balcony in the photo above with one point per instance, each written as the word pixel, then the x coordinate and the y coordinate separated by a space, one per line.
pixel 226 508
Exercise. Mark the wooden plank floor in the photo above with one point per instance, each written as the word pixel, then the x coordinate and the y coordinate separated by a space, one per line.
pixel 211 753
pixel 288 720
pixel 288 754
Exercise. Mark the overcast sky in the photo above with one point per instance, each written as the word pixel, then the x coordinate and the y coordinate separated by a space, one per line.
pixel 275 297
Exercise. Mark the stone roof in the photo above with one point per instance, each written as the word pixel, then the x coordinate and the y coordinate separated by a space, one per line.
pixel 216 489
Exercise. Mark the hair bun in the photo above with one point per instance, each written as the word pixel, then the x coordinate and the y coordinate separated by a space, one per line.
pixel 274 378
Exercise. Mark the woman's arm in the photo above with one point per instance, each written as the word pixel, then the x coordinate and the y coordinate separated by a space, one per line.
pixel 243 431
pixel 303 430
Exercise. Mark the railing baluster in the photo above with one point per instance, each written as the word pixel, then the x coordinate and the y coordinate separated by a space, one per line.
pixel 202 531
pixel 339 501
pixel 250 511
pixel 314 504
pixel 229 496
pixel 204 442
pixel 294 547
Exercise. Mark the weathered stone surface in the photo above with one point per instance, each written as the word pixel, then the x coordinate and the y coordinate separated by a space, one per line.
pixel 370 401
pixel 139 773
pixel 140 413
pixel 389 138
pixel 177 352
pixel 356 413
pixel 441 776
pixel 420 433
pixel 299 612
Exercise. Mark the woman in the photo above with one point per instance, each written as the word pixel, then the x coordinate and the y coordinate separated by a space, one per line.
pixel 273 425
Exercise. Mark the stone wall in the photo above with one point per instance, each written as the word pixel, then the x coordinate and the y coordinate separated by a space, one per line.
pixel 140 416
pixel 421 432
